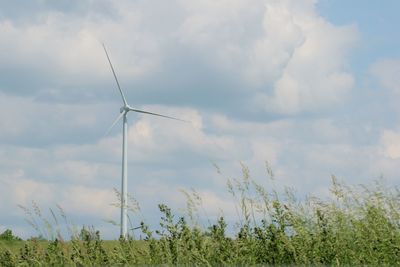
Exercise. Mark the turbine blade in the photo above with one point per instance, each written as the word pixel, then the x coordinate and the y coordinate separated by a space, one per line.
pixel 115 122
pixel 115 76
pixel 156 114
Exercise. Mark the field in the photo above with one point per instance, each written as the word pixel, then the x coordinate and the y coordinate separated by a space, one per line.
pixel 358 225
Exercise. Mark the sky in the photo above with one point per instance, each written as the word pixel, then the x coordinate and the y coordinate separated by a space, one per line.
pixel 311 87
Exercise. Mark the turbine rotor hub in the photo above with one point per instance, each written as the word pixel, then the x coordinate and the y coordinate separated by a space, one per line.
pixel 124 109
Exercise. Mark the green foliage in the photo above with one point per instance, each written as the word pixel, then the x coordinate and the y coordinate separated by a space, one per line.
pixel 7 235
pixel 356 226
pixel 88 233
pixel 7 259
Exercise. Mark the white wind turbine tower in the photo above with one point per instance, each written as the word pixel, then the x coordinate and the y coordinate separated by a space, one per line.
pixel 123 114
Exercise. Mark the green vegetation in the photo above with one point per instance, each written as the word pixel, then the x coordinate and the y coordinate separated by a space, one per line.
pixel 356 226
pixel 7 235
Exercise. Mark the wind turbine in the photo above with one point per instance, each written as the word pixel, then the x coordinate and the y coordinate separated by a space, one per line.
pixel 123 114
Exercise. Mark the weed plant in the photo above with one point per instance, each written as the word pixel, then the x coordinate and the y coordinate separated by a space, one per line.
pixel 358 225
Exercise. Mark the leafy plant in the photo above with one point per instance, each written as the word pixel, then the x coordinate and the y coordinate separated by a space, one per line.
pixel 357 225
pixel 7 235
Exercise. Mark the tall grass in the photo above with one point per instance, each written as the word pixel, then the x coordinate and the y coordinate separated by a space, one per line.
pixel 357 225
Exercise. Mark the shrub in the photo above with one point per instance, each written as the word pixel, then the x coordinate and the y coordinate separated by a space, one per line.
pixel 356 226
pixel 7 235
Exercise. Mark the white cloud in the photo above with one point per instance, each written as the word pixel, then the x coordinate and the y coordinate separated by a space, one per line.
pixel 214 204
pixel 280 45
pixel 326 130
pixel 55 44
pixel 314 77
pixel 89 201
pixel 76 200
pixel 16 189
pixel 76 171
pixel 271 53
pixel 390 141
pixel 26 120
pixel 387 72
pixel 66 50
pixel 293 50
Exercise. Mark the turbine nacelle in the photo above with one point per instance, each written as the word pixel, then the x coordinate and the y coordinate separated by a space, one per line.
pixel 125 109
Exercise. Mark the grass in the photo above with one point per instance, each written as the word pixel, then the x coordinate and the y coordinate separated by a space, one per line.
pixel 13 246
pixel 357 225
